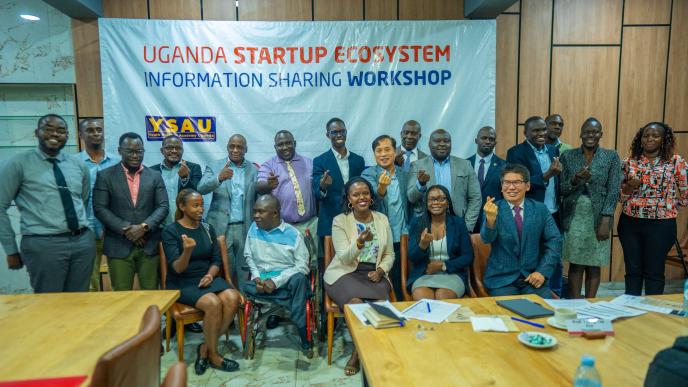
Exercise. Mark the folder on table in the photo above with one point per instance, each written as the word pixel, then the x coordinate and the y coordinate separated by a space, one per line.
pixel 526 308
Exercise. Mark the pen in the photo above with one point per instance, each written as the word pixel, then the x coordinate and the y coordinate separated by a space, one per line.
pixel 528 322
pixel 428 305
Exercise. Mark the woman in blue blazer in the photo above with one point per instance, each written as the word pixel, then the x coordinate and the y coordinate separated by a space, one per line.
pixel 439 248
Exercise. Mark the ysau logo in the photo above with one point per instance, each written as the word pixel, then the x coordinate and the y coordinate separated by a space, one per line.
pixel 188 128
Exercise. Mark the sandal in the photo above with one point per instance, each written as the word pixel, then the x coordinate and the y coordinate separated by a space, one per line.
pixel 350 369
pixel 201 364
pixel 228 365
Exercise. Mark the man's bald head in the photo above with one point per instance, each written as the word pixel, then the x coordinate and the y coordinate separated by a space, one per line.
pixel 237 148
pixel 266 212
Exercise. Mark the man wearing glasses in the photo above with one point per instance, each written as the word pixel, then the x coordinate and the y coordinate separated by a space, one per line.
pixel 331 170
pixel 131 202
pixel 526 244
pixel 50 190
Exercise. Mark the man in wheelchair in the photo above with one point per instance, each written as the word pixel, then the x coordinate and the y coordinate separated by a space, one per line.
pixel 277 258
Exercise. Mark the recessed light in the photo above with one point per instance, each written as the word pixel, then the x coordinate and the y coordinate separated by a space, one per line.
pixel 30 17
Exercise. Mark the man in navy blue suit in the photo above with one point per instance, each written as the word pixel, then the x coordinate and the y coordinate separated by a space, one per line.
pixel 488 166
pixel 542 161
pixel 526 243
pixel 331 170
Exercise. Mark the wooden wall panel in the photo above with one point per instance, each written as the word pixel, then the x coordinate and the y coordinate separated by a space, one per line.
pixel 584 84
pixel 381 10
pixel 533 85
pixel 430 9
pixel 643 74
pixel 133 9
pixel 338 9
pixel 516 7
pixel 587 21
pixel 220 9
pixel 616 265
pixel 175 9
pixel 647 12
pixel 275 10
pixel 676 113
pixel 89 91
pixel 507 81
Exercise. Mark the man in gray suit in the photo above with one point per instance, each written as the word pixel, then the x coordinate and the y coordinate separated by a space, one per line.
pixel 408 151
pixel 454 173
pixel 526 244
pixel 232 181
pixel 130 200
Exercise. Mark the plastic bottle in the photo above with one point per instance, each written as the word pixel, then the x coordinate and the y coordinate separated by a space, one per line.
pixel 586 374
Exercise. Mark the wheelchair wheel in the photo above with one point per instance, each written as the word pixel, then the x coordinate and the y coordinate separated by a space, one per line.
pixel 250 343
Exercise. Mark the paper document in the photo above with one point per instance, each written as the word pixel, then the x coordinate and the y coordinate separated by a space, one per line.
pixel 430 310
pixel 571 304
pixel 608 311
pixel 493 324
pixel 650 304
pixel 461 315
pixel 358 309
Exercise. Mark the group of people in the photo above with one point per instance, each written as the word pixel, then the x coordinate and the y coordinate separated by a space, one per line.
pixel 546 202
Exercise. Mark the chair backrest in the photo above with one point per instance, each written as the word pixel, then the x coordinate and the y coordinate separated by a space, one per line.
pixel 136 361
pixel 405 265
pixel 481 252
pixel 176 376
pixel 225 270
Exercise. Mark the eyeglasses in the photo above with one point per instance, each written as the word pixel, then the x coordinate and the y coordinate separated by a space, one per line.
pixel 336 133
pixel 128 151
pixel 171 148
pixel 512 183
pixel 437 200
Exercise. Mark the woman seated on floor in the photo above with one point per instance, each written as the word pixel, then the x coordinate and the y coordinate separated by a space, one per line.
pixel 364 254
pixel 440 249
pixel 193 257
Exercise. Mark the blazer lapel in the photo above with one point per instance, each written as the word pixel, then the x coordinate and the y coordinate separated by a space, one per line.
pixel 491 171
pixel 510 224
pixel 124 186
pixel 528 224
pixel 453 170
pixel 334 169
pixel 143 180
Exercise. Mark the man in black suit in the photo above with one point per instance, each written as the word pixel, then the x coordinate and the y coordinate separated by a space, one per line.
pixel 331 170
pixel 488 166
pixel 130 200
pixel 542 161
pixel 176 172
pixel 408 151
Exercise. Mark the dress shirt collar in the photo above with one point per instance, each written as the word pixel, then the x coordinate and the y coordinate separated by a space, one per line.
pixel 242 165
pixel 296 157
pixel 281 227
pixel 340 157
pixel 441 163
pixel 86 157
pixel 126 171
pixel 164 166
pixel 514 205
pixel 488 158
pixel 60 156
pixel 535 149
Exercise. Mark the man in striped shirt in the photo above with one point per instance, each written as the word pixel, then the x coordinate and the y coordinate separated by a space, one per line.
pixel 278 261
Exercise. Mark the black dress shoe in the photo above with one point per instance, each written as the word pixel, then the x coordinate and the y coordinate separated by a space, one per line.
pixel 201 364
pixel 307 350
pixel 228 365
pixel 195 328
pixel 273 321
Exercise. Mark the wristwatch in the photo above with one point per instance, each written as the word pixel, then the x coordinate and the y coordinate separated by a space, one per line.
pixel 146 227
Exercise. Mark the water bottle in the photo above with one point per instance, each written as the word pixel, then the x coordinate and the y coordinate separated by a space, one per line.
pixel 586 374
pixel 685 296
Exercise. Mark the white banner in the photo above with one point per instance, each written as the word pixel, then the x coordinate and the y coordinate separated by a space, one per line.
pixel 207 80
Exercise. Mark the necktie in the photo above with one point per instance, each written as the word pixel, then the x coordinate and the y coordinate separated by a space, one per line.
pixel 407 161
pixel 65 197
pixel 300 207
pixel 481 172
pixel 518 220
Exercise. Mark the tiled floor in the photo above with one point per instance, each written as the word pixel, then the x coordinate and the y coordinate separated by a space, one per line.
pixel 278 362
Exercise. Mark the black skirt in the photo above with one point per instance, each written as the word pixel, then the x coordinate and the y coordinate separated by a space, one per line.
pixel 357 285
pixel 190 292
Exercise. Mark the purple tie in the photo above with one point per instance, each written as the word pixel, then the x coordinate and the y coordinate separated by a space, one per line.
pixel 518 220
pixel 481 172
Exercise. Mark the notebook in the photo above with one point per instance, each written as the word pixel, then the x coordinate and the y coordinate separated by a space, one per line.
pixel 525 308
pixel 380 316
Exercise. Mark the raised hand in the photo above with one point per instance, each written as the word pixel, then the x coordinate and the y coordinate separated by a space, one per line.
pixel 184 170
pixel 425 239
pixel 555 167
pixel 325 181
pixel 385 179
pixel 365 236
pixel 490 210
pixel 225 173
pixel 423 177
pixel 582 175
pixel 188 242
pixel 273 182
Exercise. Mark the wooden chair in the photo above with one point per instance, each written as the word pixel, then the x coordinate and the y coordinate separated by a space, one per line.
pixel 405 266
pixel 186 314
pixel 136 361
pixel 176 376
pixel 331 308
pixel 481 252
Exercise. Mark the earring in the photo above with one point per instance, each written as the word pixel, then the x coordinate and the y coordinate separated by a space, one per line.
pixel 351 206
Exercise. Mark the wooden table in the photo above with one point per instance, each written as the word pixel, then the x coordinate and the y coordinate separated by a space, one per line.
pixel 64 334
pixel 452 354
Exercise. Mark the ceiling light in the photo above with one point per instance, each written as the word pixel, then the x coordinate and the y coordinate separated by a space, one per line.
pixel 30 17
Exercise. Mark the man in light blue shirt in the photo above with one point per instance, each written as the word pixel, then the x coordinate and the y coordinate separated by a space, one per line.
pixel 92 135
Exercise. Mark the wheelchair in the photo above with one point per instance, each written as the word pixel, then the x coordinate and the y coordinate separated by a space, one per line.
pixel 256 309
